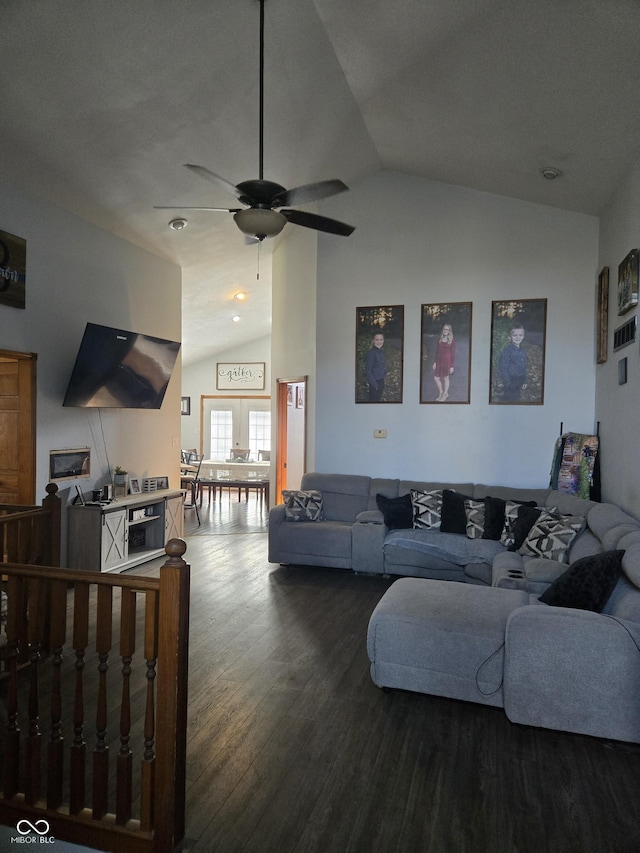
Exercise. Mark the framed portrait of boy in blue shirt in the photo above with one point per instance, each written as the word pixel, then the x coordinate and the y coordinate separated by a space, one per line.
pixel 379 353
pixel 518 340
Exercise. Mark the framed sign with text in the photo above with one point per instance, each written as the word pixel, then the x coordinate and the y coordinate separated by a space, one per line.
pixel 240 375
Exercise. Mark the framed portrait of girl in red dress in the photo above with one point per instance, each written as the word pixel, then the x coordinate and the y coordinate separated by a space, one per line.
pixel 445 353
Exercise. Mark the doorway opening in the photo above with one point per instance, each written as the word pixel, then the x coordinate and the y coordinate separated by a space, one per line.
pixel 291 435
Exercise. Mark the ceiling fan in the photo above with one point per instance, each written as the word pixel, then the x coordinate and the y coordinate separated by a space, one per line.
pixel 266 211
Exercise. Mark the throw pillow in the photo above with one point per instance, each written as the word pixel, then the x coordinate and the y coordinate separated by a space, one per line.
pixel 427 507
pixel 475 513
pixel 397 512
pixel 302 506
pixel 587 584
pixel 454 518
pixel 551 536
pixel 495 516
pixel 526 517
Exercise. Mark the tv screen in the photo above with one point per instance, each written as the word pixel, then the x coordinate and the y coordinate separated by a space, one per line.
pixel 118 369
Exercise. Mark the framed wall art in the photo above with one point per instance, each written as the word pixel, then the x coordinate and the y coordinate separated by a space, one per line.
pixel 70 464
pixel 379 354
pixel 602 318
pixel 185 405
pixel 13 270
pixel 245 376
pixel 628 282
pixel 518 341
pixel 445 353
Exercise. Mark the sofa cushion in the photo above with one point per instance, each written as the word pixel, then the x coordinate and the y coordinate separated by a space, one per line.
pixel 451 547
pixel 397 512
pixel 454 519
pixel 427 508
pixel 302 506
pixel 344 495
pixel 551 535
pixel 587 584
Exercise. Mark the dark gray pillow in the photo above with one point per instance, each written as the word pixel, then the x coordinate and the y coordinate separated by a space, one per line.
pixel 587 584
pixel 454 517
pixel 397 512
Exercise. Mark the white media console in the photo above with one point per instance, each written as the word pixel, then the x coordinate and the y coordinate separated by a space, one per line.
pixel 124 533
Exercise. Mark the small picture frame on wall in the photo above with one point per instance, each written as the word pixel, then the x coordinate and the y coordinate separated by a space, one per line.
pixel 518 343
pixel 445 353
pixel 628 282
pixel 185 405
pixel 622 371
pixel 602 318
pixel 379 353
pixel 299 397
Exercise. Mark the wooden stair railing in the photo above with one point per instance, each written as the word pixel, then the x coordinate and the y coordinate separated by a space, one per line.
pixel 114 680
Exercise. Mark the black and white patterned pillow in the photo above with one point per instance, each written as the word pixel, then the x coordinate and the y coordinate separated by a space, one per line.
pixel 427 508
pixel 302 506
pixel 552 535
pixel 510 517
pixel 474 511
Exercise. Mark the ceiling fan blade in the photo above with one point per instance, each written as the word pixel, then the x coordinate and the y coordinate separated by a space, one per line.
pixel 183 207
pixel 320 223
pixel 310 192
pixel 210 176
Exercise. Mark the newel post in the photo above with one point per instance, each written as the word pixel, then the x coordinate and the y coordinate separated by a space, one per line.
pixel 54 505
pixel 173 665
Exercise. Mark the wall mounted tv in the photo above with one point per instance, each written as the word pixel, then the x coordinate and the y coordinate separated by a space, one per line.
pixel 121 370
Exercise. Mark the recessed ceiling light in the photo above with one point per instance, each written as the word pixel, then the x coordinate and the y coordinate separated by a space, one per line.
pixel 550 173
pixel 240 296
pixel 236 319
pixel 178 224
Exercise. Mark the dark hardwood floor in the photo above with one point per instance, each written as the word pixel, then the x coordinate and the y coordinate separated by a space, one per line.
pixel 292 748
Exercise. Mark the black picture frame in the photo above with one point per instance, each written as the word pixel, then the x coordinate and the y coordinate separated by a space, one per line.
pixel 379 378
pixel 445 352
pixel 602 327
pixel 518 343
pixel 185 405
pixel 628 282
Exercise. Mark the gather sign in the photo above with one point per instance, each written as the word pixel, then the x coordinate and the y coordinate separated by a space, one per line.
pixel 240 374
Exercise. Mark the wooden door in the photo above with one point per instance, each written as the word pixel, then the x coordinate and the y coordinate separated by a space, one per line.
pixel 17 427
pixel 290 432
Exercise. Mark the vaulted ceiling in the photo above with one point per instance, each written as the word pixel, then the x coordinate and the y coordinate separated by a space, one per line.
pixel 103 101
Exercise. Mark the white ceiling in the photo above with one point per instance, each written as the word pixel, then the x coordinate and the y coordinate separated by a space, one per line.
pixel 104 100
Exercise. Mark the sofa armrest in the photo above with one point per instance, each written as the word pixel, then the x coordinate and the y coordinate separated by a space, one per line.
pixel 532 574
pixel 573 670
pixel 367 539
pixel 370 516
pixel 276 518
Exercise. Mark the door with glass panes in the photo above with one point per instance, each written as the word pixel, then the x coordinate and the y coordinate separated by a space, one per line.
pixel 236 423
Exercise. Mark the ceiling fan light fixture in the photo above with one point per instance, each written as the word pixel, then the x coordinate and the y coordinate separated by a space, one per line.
pixel 260 223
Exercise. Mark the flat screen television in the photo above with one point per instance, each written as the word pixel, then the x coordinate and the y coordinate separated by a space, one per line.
pixel 120 370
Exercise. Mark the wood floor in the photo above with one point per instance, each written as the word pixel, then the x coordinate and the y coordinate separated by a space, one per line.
pixel 292 749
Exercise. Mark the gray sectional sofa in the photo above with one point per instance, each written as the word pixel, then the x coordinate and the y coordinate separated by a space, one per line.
pixel 352 533
pixel 565 663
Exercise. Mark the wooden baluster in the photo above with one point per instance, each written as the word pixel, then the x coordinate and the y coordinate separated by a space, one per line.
pixel 58 621
pixel 79 747
pixel 15 621
pixel 101 751
pixel 124 763
pixel 173 651
pixel 148 768
pixel 35 594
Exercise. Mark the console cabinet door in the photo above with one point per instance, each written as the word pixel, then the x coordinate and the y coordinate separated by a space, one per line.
pixel 174 519
pixel 114 539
